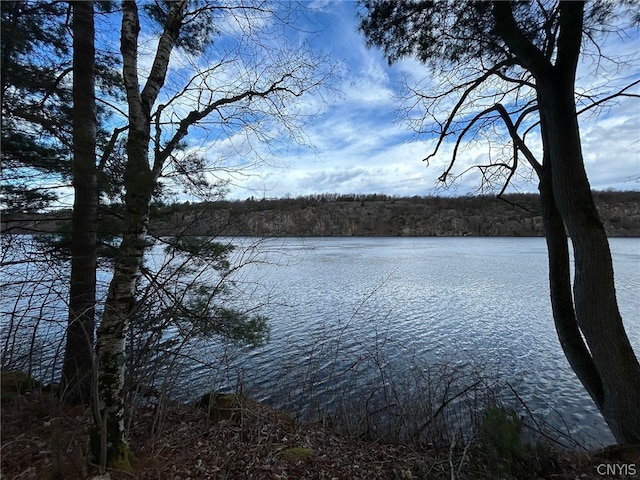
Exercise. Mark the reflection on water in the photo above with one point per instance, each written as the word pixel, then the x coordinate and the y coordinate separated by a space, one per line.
pixel 352 303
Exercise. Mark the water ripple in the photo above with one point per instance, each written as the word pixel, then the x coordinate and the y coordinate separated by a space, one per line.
pixel 347 312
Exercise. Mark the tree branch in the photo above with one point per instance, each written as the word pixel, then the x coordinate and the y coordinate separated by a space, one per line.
pixel 518 144
pixel 163 53
pixel 475 84
pixel 108 150
pixel 129 48
pixel 196 115
pixel 570 36
pixel 526 52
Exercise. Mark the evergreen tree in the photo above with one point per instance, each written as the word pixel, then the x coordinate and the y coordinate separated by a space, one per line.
pixel 35 97
pixel 77 370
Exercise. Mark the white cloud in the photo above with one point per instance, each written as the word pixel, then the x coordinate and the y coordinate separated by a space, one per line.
pixel 611 147
pixel 359 147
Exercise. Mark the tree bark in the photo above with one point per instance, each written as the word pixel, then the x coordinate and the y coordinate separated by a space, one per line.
pixel 108 442
pixel 606 365
pixel 564 314
pixel 142 171
pixel 78 359
pixel 594 295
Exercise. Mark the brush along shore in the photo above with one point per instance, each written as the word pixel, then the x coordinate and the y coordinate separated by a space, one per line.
pixel 233 437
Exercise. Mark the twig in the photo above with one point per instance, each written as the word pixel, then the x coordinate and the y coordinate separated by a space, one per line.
pixel 464 455
pixel 453 445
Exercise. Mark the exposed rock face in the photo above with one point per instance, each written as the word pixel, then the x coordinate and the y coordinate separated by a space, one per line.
pixel 418 216
pixel 363 215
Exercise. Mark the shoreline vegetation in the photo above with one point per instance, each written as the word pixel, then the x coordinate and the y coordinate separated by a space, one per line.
pixel 232 437
pixel 349 215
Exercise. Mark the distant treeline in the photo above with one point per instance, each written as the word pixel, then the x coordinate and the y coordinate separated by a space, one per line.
pixel 385 215
pixel 351 215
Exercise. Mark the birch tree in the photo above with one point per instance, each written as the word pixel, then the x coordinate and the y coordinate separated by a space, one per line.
pixel 234 93
pixel 511 67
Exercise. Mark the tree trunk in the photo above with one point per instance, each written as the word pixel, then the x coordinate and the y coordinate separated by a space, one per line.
pixel 108 442
pixel 560 289
pixel 612 376
pixel 594 296
pixel 78 359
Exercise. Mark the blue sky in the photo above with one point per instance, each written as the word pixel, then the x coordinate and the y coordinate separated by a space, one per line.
pixel 358 144
pixel 361 146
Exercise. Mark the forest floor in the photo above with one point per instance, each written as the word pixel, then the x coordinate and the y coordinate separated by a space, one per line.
pixel 246 440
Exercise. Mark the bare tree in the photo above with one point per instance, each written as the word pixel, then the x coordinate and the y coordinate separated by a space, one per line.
pixel 264 84
pixel 509 71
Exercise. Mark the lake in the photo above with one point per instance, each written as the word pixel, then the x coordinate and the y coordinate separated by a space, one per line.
pixel 387 328
pixel 343 310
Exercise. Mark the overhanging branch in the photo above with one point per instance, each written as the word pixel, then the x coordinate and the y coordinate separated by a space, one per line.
pixel 518 143
pixel 475 84
pixel 195 116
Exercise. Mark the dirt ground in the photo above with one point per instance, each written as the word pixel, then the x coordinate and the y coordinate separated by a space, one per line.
pixel 246 440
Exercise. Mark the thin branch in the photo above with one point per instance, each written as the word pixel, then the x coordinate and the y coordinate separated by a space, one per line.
pixel 475 84
pixel 519 144
pixel 108 150
pixel 619 93
pixel 112 106
pixel 55 85
pixel 196 115
pixel 596 103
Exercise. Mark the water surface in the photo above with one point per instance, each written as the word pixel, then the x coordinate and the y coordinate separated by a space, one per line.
pixel 476 301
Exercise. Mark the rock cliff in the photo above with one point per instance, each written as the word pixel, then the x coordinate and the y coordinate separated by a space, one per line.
pixel 378 215
pixel 351 215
